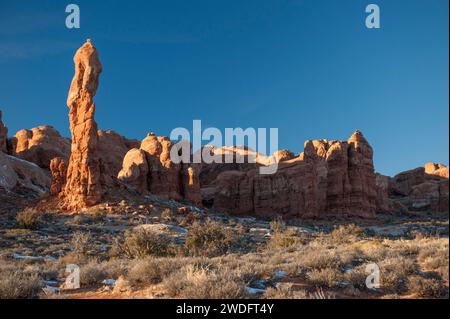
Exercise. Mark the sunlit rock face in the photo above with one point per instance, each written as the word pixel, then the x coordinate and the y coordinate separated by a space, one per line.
pixel 330 178
pixel 83 187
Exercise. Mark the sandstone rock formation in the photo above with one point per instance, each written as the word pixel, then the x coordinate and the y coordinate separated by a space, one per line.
pixel 83 185
pixel 3 136
pixel 135 170
pixel 191 184
pixel 158 174
pixel 39 145
pixel 58 168
pixel 436 169
pixel 164 175
pixel 384 203
pixel 112 148
pixel 22 177
pixel 328 178
pixel 422 189
pixel 291 192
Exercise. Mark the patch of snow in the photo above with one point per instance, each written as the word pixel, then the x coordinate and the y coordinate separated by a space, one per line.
pixel 280 274
pixel 254 291
pixel 109 282
pixel 21 257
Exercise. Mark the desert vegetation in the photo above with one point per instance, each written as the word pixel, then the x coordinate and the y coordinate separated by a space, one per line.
pixel 215 256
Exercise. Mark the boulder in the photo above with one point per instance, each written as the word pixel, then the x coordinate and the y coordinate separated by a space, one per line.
pixel 422 189
pixel 23 177
pixel 135 170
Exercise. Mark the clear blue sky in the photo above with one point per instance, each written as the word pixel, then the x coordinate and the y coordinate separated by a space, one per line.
pixel 308 67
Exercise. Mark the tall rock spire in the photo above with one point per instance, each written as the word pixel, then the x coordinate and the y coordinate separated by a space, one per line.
pixel 83 187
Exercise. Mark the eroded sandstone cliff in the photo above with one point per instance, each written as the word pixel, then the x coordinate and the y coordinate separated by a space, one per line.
pixel 329 178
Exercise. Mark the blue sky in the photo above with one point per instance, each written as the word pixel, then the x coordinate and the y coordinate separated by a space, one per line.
pixel 309 67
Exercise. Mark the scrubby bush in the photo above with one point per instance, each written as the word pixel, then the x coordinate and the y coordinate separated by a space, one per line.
pixel 29 219
pixel 167 215
pixel 326 277
pixel 18 284
pixel 284 239
pixel 426 287
pixel 152 270
pixel 346 234
pixel 141 243
pixel 395 271
pixel 277 225
pixel 82 243
pixel 208 239
pixel 285 292
pixel 203 282
pixel 92 273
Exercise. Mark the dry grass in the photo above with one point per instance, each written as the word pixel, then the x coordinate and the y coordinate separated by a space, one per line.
pixel 29 219
pixel 17 283
pixel 208 264
pixel 141 243
pixel 208 239
pixel 152 270
pixel 426 287
pixel 205 282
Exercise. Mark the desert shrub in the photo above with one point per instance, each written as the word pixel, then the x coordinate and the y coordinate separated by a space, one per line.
pixel 209 239
pixel 167 215
pixel 357 277
pixel 320 294
pixel 277 225
pixel 153 270
pixel 285 292
pixel 326 277
pixel 436 262
pixel 99 216
pixel 81 243
pixel 444 272
pixel 141 243
pixel 115 268
pixel 92 273
pixel 29 219
pixel 18 284
pixel 395 271
pixel 79 220
pixel 283 239
pixel 319 258
pixel 426 287
pixel 202 282
pixel 346 234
